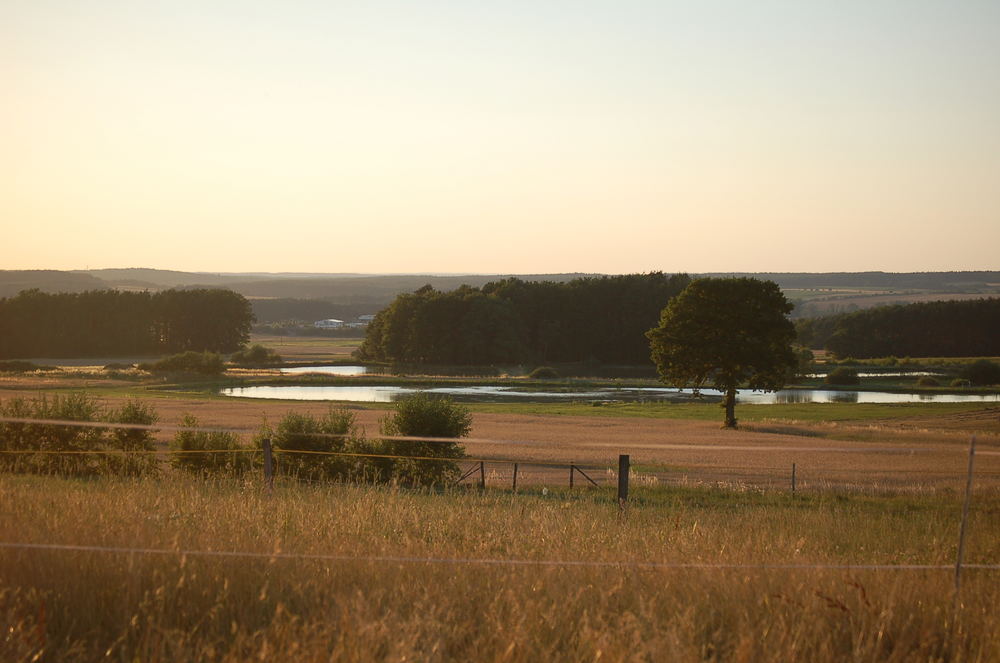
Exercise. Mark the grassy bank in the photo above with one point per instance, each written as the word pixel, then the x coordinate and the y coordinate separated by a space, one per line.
pixel 80 606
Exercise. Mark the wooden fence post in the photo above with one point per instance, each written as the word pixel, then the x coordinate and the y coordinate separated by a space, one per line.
pixel 623 469
pixel 482 475
pixel 793 478
pixel 571 470
pixel 515 477
pixel 268 465
pixel 965 518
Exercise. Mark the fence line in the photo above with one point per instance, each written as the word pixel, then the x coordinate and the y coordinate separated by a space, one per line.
pixel 214 429
pixel 278 451
pixel 485 561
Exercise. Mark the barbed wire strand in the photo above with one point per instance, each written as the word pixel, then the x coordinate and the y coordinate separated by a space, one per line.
pixel 480 561
pixel 400 438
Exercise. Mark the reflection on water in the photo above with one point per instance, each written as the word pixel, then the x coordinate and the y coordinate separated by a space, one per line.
pixel 793 397
pixel 885 374
pixel 388 394
pixel 326 370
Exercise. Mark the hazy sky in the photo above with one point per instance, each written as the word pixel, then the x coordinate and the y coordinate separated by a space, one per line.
pixel 500 136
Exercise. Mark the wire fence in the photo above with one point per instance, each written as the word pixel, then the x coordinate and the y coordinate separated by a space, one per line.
pixel 486 561
pixel 622 477
pixel 796 475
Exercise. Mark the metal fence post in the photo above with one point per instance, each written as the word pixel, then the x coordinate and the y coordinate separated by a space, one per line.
pixel 623 470
pixel 965 518
pixel 268 465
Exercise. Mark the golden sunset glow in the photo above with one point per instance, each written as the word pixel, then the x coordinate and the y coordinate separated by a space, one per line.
pixel 500 137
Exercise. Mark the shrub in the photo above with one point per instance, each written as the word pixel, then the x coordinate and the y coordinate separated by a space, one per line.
pixel 135 443
pixel 842 376
pixel 928 381
pixel 544 373
pixel 256 356
pixel 118 366
pixel 214 463
pixel 960 382
pixel 299 438
pixel 423 416
pixel 204 363
pixel 26 438
pixel 982 372
pixel 20 366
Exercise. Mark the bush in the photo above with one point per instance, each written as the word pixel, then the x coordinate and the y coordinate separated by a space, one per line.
pixel 203 363
pixel 256 356
pixel 982 372
pixel 544 373
pixel 118 366
pixel 19 366
pixel 26 438
pixel 928 381
pixel 842 376
pixel 131 440
pixel 960 382
pixel 299 438
pixel 423 416
pixel 208 464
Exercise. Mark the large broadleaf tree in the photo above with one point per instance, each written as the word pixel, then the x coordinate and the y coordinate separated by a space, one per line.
pixel 725 333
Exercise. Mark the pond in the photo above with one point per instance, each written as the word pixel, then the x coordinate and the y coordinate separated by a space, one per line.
pixel 326 370
pixel 502 394
pixel 886 374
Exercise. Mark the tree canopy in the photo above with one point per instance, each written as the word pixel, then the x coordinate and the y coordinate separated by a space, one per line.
pixel 724 333
pixel 514 321
pixel 928 329
pixel 112 323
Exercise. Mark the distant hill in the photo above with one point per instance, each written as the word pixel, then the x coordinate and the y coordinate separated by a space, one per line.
pixel 843 292
pixel 941 281
pixel 49 280
pixel 381 288
pixel 352 294
pixel 162 278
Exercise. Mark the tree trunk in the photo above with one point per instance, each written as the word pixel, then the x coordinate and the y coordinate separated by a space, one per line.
pixel 730 405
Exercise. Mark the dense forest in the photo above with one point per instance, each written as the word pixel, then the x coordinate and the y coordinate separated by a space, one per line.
pixel 111 323
pixel 514 321
pixel 932 329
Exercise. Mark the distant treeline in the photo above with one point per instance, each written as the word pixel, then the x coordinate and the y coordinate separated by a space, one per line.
pixel 514 321
pixel 933 329
pixel 110 323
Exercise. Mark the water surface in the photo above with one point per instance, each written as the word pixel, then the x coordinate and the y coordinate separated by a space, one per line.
pixel 503 394
pixel 326 370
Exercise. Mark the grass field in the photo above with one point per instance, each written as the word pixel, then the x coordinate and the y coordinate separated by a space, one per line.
pixel 309 348
pixel 546 574
pixel 464 576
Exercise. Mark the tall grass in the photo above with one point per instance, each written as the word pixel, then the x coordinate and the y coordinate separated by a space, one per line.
pixel 82 606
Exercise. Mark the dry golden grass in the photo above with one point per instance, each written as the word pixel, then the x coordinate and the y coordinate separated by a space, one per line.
pixel 81 606
pixel 883 492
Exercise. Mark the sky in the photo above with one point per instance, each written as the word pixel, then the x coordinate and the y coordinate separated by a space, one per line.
pixel 500 136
